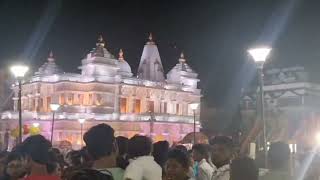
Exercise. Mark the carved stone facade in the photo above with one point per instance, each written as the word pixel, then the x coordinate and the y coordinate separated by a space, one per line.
pixel 292 105
pixel 106 92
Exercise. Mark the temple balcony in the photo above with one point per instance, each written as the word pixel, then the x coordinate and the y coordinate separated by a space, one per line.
pixel 145 117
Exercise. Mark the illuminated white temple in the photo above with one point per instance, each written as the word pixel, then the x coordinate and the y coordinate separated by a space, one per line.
pixel 107 92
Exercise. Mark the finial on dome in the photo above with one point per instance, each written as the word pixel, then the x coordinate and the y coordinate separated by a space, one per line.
pixel 150 39
pixel 182 59
pixel 100 42
pixel 50 57
pixel 121 55
pixel 182 55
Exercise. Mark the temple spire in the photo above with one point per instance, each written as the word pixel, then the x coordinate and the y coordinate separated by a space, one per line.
pixel 121 55
pixel 100 42
pixel 50 57
pixel 150 67
pixel 150 39
pixel 182 59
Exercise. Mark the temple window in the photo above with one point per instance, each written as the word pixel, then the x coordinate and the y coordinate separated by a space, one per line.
pixel 76 100
pixel 33 105
pixel 38 106
pixel 90 99
pixel 41 105
pixel 178 109
pixel 137 105
pixel 70 99
pixel 48 103
pixel 150 106
pixel 80 99
pixel 163 107
pixel 62 100
pixel 123 105
pixel 98 100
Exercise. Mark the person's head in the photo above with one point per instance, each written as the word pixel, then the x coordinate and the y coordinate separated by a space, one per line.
pixel 160 152
pixel 122 143
pixel 177 165
pixel 100 141
pixel 59 156
pixel 139 146
pixel 243 168
pixel 181 148
pixel 199 152
pixel 37 148
pixel 88 174
pixel 279 155
pixel 17 165
pixel 53 166
pixel 73 158
pixel 222 149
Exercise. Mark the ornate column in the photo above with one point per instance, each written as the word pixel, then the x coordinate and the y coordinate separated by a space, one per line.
pixel 117 94
pixel 130 104
pixel 15 104
pixel 36 103
pixel 30 102
pixel 44 104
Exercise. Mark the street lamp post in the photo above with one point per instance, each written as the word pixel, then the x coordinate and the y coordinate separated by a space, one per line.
pixel 19 71
pixel 54 108
pixel 194 107
pixel 260 55
pixel 81 121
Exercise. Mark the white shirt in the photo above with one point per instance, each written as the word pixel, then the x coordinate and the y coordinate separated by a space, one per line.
pixel 143 168
pixel 205 170
pixel 222 173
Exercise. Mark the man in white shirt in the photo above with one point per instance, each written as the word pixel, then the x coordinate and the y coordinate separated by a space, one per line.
pixel 200 154
pixel 222 150
pixel 142 165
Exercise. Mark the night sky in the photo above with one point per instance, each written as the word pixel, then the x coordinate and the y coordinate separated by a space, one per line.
pixel 214 35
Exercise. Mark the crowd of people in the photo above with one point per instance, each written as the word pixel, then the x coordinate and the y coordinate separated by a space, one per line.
pixel 106 157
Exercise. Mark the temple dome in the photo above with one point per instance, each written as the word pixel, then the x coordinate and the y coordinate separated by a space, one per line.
pixel 100 62
pixel 125 69
pixel 182 66
pixel 100 50
pixel 49 67
pixel 182 74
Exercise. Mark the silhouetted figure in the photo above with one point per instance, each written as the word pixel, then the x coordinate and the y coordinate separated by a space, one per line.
pixel 122 158
pixel 278 158
pixel 243 168
pixel 37 149
pixel 160 152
